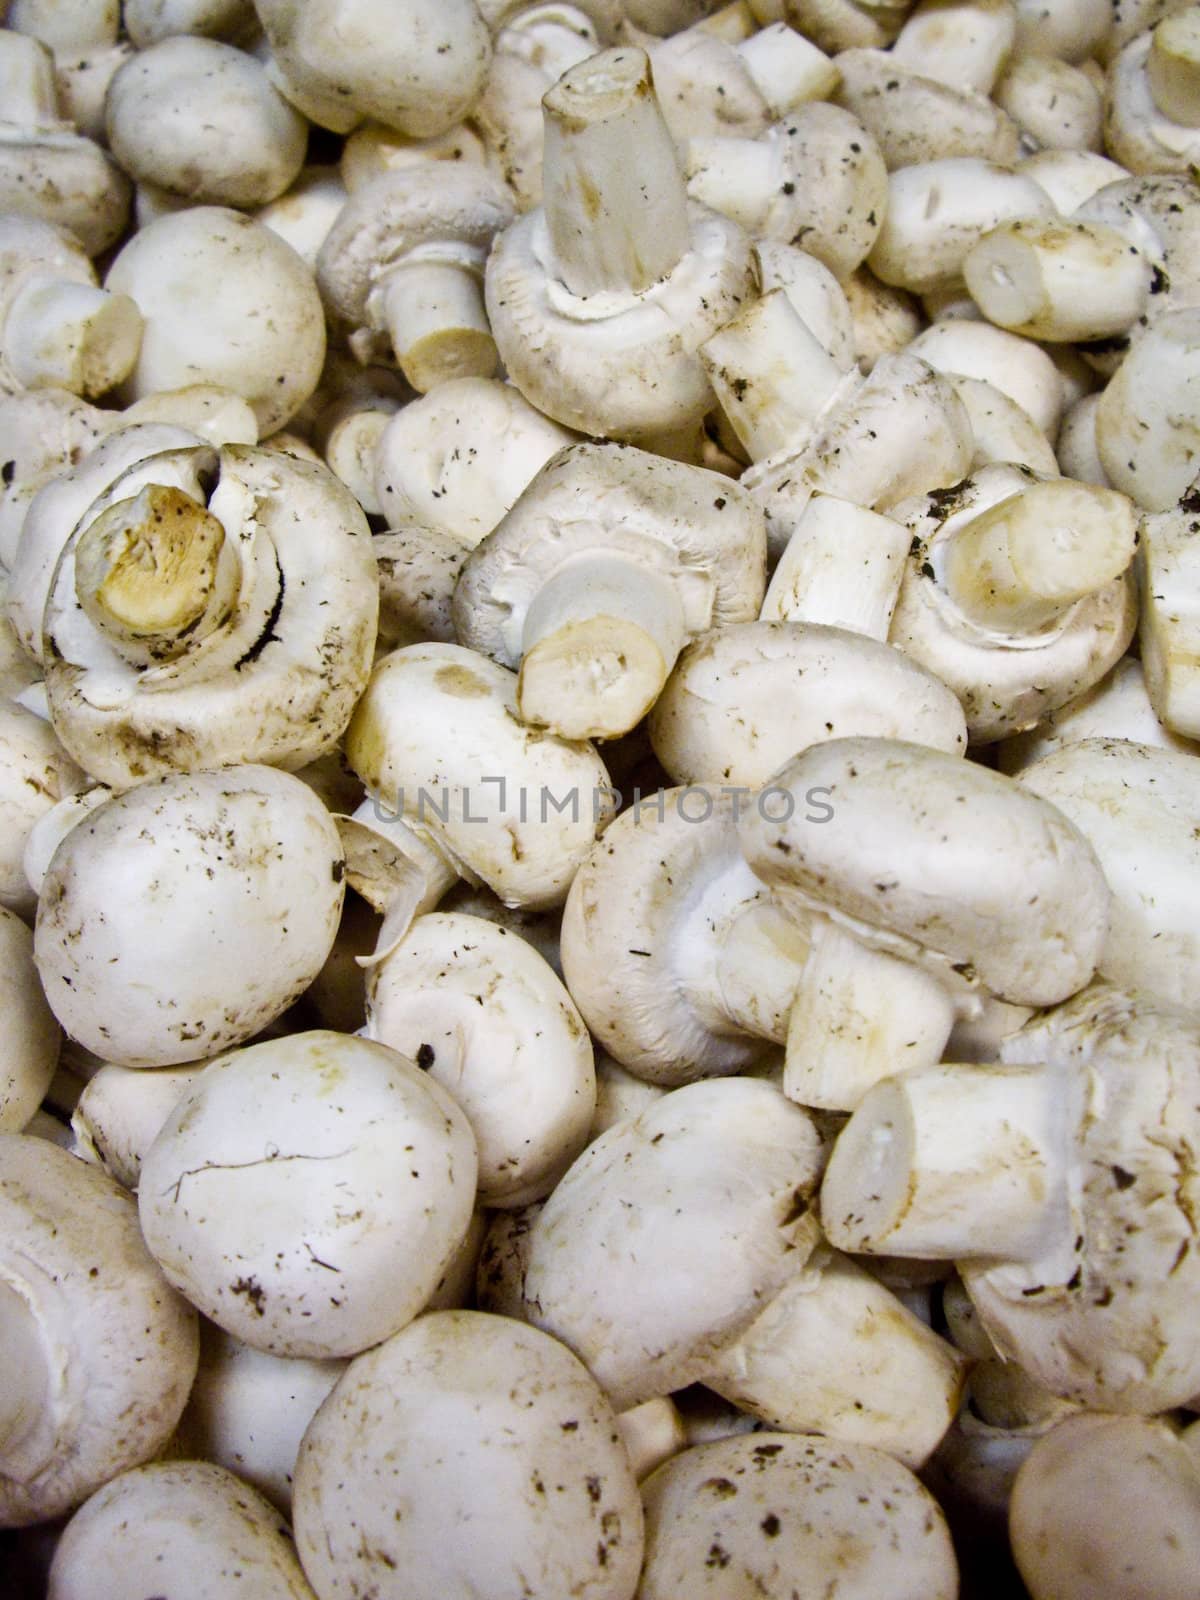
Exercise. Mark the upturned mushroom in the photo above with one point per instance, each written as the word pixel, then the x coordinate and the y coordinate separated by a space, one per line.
pixel 592 583
pixel 1152 101
pixel 468 1422
pixel 405 260
pixel 186 914
pixel 99 1352
pixel 231 620
pixel 600 298
pixel 480 1011
pixel 663 1241
pixel 306 1193
pixel 1017 592
pixel 894 952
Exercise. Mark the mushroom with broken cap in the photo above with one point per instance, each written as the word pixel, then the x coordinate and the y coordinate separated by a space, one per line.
pixel 597 576
pixel 600 298
pixel 905 890
pixel 99 1352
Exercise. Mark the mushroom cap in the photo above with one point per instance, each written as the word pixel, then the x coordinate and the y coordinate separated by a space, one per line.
pixel 437 202
pixel 619 366
pixel 307 1193
pixel 459 457
pixel 625 936
pixel 224 267
pixel 437 740
pixel 192 1517
pixel 1084 1489
pixel 695 526
pixel 1006 683
pixel 938 858
pixel 485 1016
pixel 781 1514
pixel 122 1345
pixel 1114 1327
pixel 35 774
pixel 1140 809
pixel 277 682
pixel 665 1238
pixel 203 120
pixel 118 1116
pixel 31 1035
pixel 57 175
pixel 418 569
pixel 503 1454
pixel 182 916
pixel 745 698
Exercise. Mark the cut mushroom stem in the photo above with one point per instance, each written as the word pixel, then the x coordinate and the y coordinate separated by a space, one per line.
pixel 154 573
pixel 1024 562
pixel 1173 67
pixel 24 1374
pixel 760 964
pixel 860 1015
pixel 951 1163
pixel 1061 281
pixel 842 566
pixel 771 375
pixel 600 640
pixel 69 335
pixel 432 307
pixel 616 208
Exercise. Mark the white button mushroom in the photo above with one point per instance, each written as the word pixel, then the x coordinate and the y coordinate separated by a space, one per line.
pixel 181 917
pixel 484 1015
pixel 469 1454
pixel 35 774
pixel 915 118
pixel 776 1515
pixel 307 1193
pixel 593 581
pixel 668 1235
pixel 120 1112
pixel 99 1353
pixel 31 1036
pixel 599 300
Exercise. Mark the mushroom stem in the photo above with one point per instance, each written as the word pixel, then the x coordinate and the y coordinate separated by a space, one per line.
pixel 74 336
pixel 28 97
pixel 1024 562
pixel 155 574
pixel 733 176
pixel 750 957
pixel 953 1163
pixel 843 567
pixel 601 638
pixel 772 376
pixel 435 316
pixel 860 1016
pixel 24 1374
pixel 615 204
pixel 1173 67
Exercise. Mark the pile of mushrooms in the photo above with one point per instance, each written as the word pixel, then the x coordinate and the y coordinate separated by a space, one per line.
pixel 600 799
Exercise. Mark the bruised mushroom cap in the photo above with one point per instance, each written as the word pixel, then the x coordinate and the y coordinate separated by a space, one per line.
pixel 307 1193
pixel 1140 809
pixel 224 267
pixel 181 917
pixel 31 1036
pixel 118 1346
pixel 780 1514
pixel 1006 682
pixel 669 1233
pixel 438 202
pixel 1114 1326
pixel 704 533
pixel 485 1016
pixel 745 698
pixel 1107 1507
pixel 185 1516
pixel 628 930
pixel 935 859
pixel 437 741
pixel 500 1449
pixel 627 370
pixel 275 678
